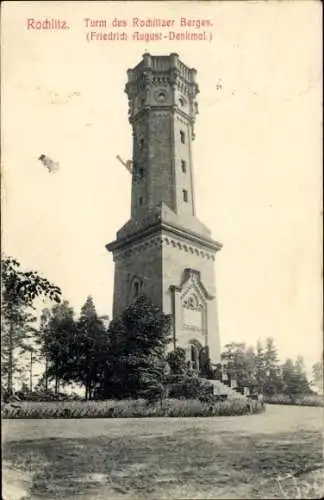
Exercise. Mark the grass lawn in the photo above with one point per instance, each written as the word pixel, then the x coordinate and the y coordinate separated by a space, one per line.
pixel 259 456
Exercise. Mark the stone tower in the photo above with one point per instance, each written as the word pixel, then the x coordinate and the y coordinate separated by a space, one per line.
pixel 164 251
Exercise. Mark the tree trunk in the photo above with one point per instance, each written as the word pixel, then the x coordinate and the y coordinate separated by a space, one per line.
pixel 86 392
pixel 56 385
pixel 46 376
pixel 31 372
pixel 10 359
pixel 88 385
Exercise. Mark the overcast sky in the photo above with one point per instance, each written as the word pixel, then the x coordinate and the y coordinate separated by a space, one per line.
pixel 257 154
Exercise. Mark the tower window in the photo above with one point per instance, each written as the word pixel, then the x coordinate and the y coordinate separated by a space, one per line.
pixel 136 289
pixel 182 137
pixel 141 172
pixel 183 166
pixel 141 201
pixel 185 195
pixel 141 143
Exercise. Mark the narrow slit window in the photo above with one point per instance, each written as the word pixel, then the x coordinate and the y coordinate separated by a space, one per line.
pixel 141 172
pixel 185 195
pixel 183 166
pixel 141 143
pixel 141 201
pixel 182 137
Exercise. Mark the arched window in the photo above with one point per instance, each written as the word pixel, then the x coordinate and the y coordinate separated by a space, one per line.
pixel 135 289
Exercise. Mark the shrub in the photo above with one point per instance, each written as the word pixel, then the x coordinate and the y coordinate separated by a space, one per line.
pixel 177 360
pixel 298 400
pixel 128 409
pixel 191 387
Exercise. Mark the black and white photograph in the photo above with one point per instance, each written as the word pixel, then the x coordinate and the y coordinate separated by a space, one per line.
pixel 161 250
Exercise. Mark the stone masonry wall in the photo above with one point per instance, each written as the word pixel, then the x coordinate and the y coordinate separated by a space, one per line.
pixel 143 260
pixel 160 159
pixel 179 254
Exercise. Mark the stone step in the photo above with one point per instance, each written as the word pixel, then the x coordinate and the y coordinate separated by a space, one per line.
pixel 220 388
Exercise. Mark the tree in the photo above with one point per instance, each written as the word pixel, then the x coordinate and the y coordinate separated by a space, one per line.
pixel 18 291
pixel 155 383
pixel 59 339
pixel 317 371
pixel 92 348
pixel 40 339
pixel 260 371
pixel 75 351
pixel 273 380
pixel 290 385
pixel 18 286
pixel 17 331
pixel 239 364
pixel 137 342
pixel 33 358
pixel 294 378
pixel 301 375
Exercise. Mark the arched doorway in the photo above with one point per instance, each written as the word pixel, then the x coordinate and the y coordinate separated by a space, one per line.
pixel 194 350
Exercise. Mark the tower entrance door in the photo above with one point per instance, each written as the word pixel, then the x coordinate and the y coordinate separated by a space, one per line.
pixel 194 355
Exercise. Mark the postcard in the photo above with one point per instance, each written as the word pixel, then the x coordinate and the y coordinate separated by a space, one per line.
pixel 161 250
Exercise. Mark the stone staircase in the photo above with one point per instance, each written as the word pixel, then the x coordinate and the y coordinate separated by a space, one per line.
pixel 222 389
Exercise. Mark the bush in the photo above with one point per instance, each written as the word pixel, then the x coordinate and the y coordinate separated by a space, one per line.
pixel 177 360
pixel 128 409
pixel 191 387
pixel 298 400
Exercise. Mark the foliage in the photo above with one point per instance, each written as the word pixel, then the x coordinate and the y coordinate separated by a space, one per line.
pixel 240 364
pixel 18 291
pixel 128 409
pixel 177 360
pixel 191 387
pixel 59 340
pixel 297 400
pixel 17 330
pixel 137 343
pixel 141 329
pixel 155 383
pixel 294 378
pixel 91 349
pixel 317 370
pixel 205 365
pixel 75 351
pixel 261 371
pixel 22 286
pixel 273 381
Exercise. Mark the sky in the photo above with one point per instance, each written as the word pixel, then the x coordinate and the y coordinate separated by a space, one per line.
pixel 257 153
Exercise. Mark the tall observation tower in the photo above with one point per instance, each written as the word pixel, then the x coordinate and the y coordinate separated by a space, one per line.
pixel 164 251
